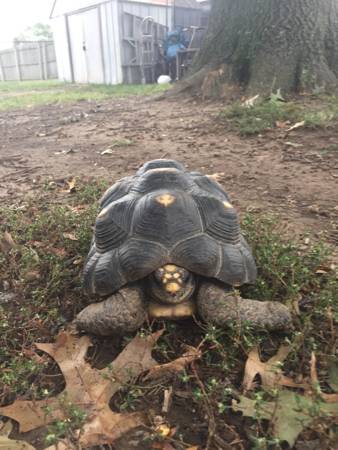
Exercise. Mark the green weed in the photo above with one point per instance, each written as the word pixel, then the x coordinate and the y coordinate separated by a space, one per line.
pixel 66 428
pixel 264 115
pixel 261 117
pixel 44 269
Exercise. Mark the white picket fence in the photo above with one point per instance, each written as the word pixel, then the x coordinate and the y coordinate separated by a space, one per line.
pixel 28 60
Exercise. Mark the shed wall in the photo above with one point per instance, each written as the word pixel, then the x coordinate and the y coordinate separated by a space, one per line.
pixel 105 61
pixel 100 62
pixel 111 43
pixel 59 25
pixel 160 14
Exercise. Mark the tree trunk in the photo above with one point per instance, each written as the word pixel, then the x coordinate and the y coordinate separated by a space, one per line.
pixel 266 45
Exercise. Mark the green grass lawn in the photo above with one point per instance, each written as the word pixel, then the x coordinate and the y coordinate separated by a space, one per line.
pixel 16 95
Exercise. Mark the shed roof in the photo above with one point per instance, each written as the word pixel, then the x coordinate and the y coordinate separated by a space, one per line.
pixel 67 6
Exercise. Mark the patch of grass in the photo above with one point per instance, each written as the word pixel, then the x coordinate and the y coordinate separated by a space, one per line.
pixel 264 114
pixel 122 142
pixel 23 86
pixel 15 95
pixel 329 148
pixel 260 117
pixel 286 267
pixel 43 269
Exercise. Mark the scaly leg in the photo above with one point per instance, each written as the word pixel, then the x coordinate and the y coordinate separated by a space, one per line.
pixel 219 307
pixel 122 312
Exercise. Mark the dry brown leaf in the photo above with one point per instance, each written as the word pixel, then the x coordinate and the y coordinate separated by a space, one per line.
pixel 61 252
pixel 64 444
pixel 270 373
pixel 293 144
pixel 10 444
pixel 70 236
pixel 32 275
pixel 296 125
pixel 71 185
pixel 108 151
pixel 250 102
pixel 163 446
pixel 328 398
pixel 163 430
pixel 176 366
pixel 88 389
pixel 6 243
pixel 218 176
pixel 61 446
pixel 281 124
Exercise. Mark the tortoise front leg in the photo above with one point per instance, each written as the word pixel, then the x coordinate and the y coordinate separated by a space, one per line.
pixel 122 312
pixel 219 307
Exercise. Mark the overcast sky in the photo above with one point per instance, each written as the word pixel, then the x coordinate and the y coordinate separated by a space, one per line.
pixel 17 15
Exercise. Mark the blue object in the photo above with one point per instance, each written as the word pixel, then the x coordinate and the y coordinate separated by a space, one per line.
pixel 174 42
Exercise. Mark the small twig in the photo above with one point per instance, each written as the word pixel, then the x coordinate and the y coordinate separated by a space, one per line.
pixel 210 413
pixel 167 400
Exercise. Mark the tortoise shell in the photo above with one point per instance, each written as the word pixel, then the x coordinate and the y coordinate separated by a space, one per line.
pixel 165 214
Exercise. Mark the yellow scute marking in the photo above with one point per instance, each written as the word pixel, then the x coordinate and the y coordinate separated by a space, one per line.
pixel 103 212
pixel 227 205
pixel 170 268
pixel 165 199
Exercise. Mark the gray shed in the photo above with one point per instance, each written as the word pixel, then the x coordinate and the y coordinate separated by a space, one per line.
pixel 116 41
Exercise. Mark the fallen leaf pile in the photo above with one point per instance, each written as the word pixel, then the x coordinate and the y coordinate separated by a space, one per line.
pixel 289 412
pixel 90 389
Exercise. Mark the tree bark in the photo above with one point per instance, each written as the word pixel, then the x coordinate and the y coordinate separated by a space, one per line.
pixel 266 45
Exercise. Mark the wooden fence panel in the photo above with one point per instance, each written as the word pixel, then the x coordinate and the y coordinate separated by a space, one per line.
pixel 33 60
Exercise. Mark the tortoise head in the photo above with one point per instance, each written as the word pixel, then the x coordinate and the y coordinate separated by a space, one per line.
pixel 171 284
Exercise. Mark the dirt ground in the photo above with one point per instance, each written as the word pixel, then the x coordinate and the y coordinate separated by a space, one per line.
pixel 292 174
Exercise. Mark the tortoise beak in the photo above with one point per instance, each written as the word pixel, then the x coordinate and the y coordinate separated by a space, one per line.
pixel 172 288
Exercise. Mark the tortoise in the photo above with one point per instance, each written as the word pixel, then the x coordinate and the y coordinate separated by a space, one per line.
pixel 167 245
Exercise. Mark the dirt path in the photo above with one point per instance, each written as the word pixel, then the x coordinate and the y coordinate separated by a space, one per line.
pixel 263 173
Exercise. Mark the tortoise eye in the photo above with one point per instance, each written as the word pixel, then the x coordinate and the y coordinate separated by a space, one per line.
pixel 159 275
pixel 184 275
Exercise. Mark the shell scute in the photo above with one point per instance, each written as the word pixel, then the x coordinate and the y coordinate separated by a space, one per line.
pixel 166 224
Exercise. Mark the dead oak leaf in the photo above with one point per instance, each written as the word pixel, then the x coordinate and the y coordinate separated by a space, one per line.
pixel 10 444
pixel 176 366
pixel 289 414
pixel 71 185
pixel 328 398
pixel 88 389
pixel 296 126
pixel 6 243
pixel 60 252
pixel 270 371
pixel 70 236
